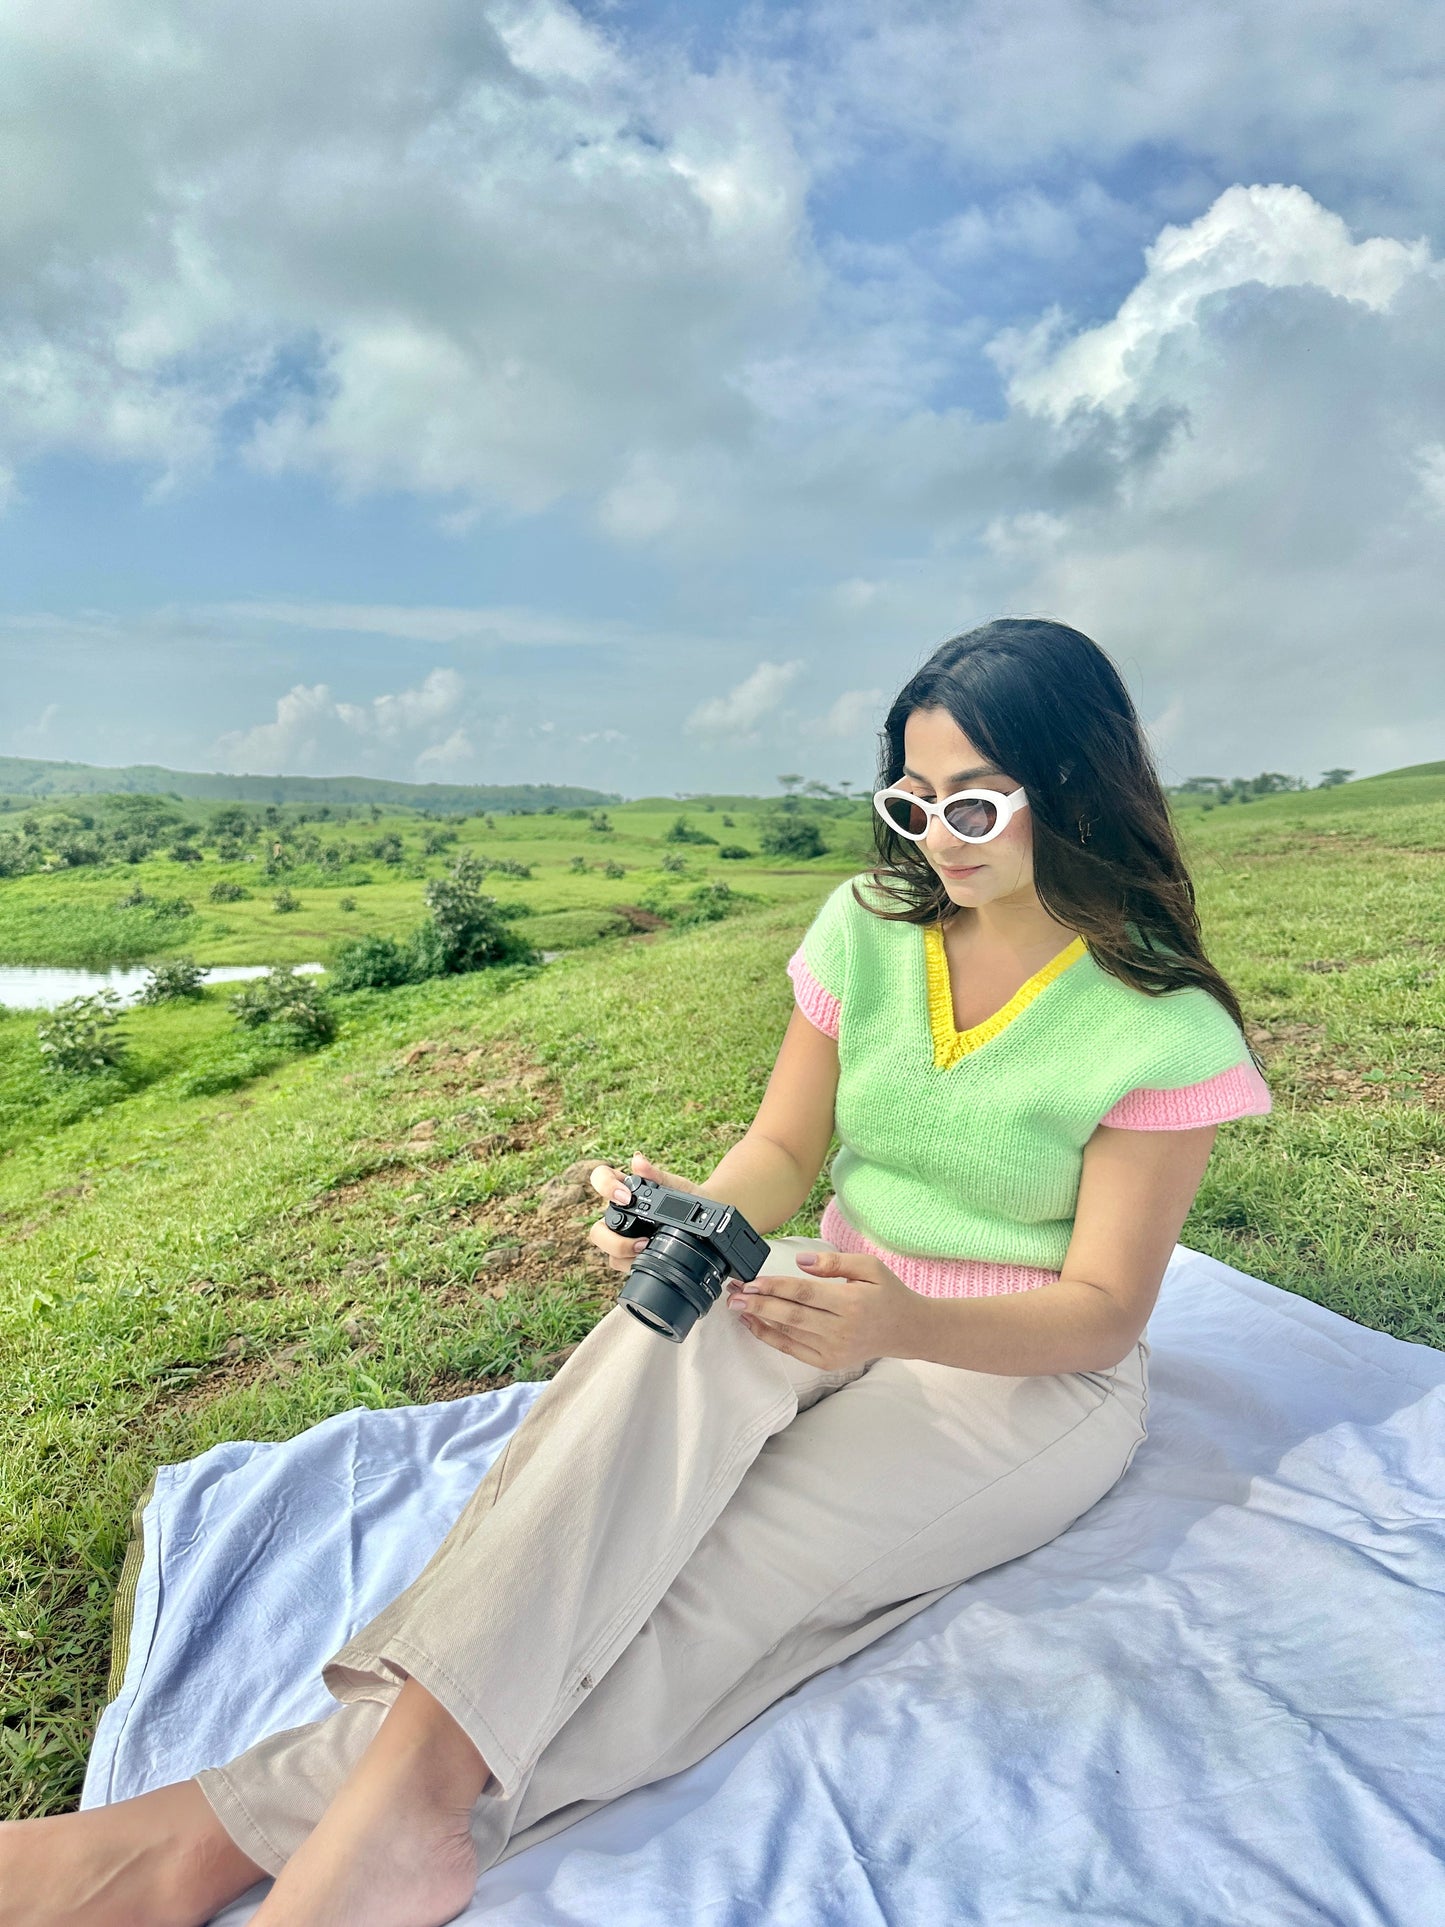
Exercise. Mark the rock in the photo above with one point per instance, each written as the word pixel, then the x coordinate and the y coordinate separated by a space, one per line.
pixel 543 1248
pixel 427 1128
pixel 417 1051
pixel 581 1172
pixel 496 1291
pixel 558 1194
pixel 502 1258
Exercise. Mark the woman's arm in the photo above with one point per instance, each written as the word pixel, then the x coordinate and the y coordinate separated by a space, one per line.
pixel 771 1169
pixel 1134 1195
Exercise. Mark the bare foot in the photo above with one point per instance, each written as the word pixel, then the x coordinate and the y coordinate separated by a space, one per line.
pixel 394 1848
pixel 160 1860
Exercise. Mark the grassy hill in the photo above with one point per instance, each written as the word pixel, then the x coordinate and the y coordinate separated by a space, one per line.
pixel 189 1259
pixel 23 777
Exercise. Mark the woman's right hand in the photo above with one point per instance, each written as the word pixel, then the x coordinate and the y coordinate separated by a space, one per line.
pixel 618 1250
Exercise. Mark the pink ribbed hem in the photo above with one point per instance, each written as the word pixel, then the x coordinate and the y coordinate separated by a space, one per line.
pixel 819 1006
pixel 936 1277
pixel 1237 1092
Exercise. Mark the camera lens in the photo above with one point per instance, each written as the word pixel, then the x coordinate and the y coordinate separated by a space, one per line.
pixel 673 1282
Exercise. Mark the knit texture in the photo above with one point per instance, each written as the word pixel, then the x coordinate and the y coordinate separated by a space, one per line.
pixel 968 1145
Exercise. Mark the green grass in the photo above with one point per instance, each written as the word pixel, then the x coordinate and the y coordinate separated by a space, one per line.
pixel 215 1244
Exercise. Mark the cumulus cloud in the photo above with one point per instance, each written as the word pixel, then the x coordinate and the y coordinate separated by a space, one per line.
pixel 317 733
pixel 741 712
pixel 491 258
pixel 855 713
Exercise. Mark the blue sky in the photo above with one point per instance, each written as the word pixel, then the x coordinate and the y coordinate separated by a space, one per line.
pixel 634 394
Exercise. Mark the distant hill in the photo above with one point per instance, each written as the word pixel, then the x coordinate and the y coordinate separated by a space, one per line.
pixel 1410 769
pixel 25 776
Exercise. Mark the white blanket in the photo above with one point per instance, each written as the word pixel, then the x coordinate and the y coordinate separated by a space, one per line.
pixel 1217 1698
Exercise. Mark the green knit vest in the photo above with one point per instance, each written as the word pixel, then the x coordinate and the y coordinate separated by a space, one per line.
pixel 982 1158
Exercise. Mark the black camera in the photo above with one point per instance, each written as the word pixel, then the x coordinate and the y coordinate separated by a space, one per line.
pixel 694 1244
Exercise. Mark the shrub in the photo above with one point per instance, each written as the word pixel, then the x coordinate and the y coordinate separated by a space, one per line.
pixel 791 836
pixel 224 891
pixel 372 963
pixel 173 979
pixel 435 841
pixel 612 868
pixel 465 930
pixel 600 821
pixel 675 865
pixel 682 831
pixel 295 1008
pixel 734 851
pixel 727 823
pixel 578 865
pixel 284 902
pixel 185 853
pixel 80 1037
pixel 346 903
pixel 708 903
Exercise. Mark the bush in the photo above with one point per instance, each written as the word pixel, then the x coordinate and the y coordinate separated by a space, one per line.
pixel 727 823
pixel 284 902
pixel 296 1009
pixel 173 979
pixel 682 831
pixel 600 821
pixel 674 865
pixel 612 868
pixel 791 836
pixel 465 930
pixel 708 903
pixel 734 851
pixel 80 1037
pixel 224 891
pixel 373 963
pixel 185 853
pixel 578 865
pixel 346 903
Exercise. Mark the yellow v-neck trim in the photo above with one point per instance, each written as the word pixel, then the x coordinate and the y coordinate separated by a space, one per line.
pixel 949 1044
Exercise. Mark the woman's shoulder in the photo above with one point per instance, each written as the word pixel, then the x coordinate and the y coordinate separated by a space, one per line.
pixel 1180 1046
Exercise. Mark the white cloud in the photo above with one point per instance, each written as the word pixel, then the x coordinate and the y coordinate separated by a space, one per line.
pixel 494 259
pixel 521 627
pixel 856 712
pixel 315 733
pixel 1272 237
pixel 740 713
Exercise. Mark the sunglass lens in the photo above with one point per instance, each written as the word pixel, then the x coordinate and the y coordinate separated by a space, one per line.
pixel 972 817
pixel 905 815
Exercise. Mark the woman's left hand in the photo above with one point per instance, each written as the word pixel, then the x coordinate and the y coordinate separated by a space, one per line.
pixel 849 1309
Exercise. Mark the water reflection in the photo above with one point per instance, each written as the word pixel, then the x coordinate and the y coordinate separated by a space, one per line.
pixel 42 987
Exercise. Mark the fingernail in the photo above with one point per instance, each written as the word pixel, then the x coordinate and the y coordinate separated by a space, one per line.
pixel 749 1287
pixel 807 1257
pixel 621 1195
pixel 639 1244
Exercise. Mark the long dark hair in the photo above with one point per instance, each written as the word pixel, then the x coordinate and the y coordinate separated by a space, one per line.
pixel 1047 705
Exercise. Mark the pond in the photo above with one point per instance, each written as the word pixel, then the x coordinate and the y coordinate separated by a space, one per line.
pixel 43 987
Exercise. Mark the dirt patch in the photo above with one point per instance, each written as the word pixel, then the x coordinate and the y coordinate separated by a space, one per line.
pixel 1300 1060
pixel 638 918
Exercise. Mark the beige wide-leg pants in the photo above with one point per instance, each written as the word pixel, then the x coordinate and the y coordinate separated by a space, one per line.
pixel 675 1537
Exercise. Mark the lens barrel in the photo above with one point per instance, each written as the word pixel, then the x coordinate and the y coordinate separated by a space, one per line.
pixel 673 1282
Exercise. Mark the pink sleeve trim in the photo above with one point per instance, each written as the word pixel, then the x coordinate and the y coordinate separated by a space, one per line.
pixel 1237 1092
pixel 819 1006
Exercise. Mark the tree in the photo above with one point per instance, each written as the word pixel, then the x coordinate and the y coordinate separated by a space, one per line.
pixel 466 930
pixel 1332 778
pixel 790 782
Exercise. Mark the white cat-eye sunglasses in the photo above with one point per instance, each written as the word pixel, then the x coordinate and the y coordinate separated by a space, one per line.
pixel 974 816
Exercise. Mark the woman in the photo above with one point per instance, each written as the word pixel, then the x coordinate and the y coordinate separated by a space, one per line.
pixel 1025 1053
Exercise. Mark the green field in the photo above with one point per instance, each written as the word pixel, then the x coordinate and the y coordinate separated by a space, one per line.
pixel 222 1242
